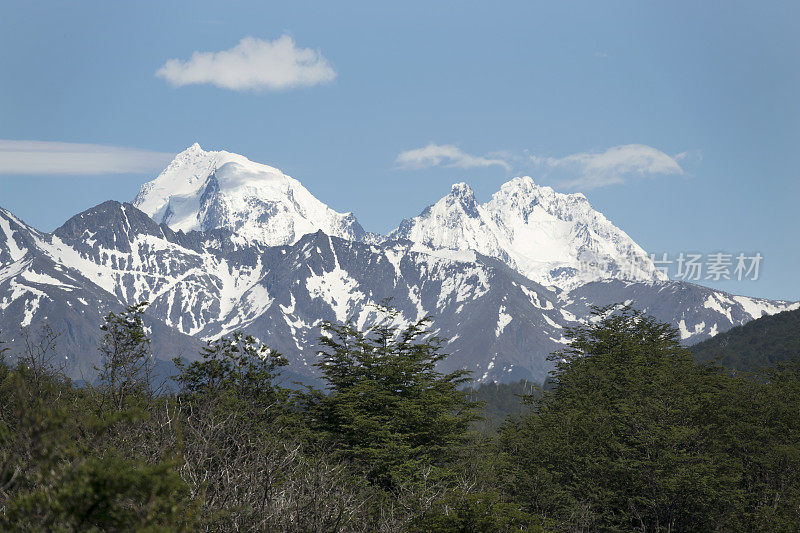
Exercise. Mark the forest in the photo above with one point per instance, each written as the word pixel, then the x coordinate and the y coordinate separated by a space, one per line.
pixel 630 433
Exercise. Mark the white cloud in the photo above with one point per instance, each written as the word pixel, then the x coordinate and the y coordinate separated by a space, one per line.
pixel 44 157
pixel 591 170
pixel 252 64
pixel 692 154
pixel 448 155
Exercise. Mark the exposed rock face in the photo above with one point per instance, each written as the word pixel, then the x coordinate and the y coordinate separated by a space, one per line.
pixel 500 324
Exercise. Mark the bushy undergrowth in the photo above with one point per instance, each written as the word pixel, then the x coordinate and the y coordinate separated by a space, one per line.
pixel 631 435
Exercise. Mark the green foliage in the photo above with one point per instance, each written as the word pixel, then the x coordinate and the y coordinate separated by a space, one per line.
pixel 756 345
pixel 764 439
pixel 636 436
pixel 465 512
pixel 236 367
pixel 59 473
pixel 388 408
pixel 102 494
pixel 501 401
pixel 629 434
pixel 127 361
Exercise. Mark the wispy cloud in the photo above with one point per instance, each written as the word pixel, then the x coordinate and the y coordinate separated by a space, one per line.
pixel 44 157
pixel 253 64
pixel 590 170
pixel 585 170
pixel 447 155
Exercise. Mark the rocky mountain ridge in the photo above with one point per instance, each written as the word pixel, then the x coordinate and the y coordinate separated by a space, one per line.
pixel 500 324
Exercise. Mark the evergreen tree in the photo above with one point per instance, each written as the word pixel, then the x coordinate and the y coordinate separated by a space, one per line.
pixel 764 439
pixel 633 435
pixel 387 406
pixel 501 401
pixel 238 371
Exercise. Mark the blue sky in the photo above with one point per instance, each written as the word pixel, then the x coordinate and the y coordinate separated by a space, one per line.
pixel 703 98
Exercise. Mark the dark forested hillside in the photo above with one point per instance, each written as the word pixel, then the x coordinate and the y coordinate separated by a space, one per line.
pixel 500 401
pixel 757 344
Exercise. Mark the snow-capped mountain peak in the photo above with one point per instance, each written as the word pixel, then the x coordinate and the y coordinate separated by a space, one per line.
pixel 462 190
pixel 204 190
pixel 500 325
pixel 552 238
pixel 525 190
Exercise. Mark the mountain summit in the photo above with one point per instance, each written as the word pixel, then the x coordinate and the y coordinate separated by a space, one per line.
pixel 205 190
pixel 534 263
pixel 554 239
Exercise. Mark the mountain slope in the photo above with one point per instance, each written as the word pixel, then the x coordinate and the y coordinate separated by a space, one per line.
pixel 219 243
pixel 757 344
pixel 39 288
pixel 698 312
pixel 500 325
pixel 202 191
pixel 16 238
pixel 552 238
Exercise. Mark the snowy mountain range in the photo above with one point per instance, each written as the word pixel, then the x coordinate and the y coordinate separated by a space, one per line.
pixel 552 238
pixel 217 243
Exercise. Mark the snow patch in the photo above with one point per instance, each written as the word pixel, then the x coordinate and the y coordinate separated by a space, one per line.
pixel 14 250
pixel 503 320
pixel 337 289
